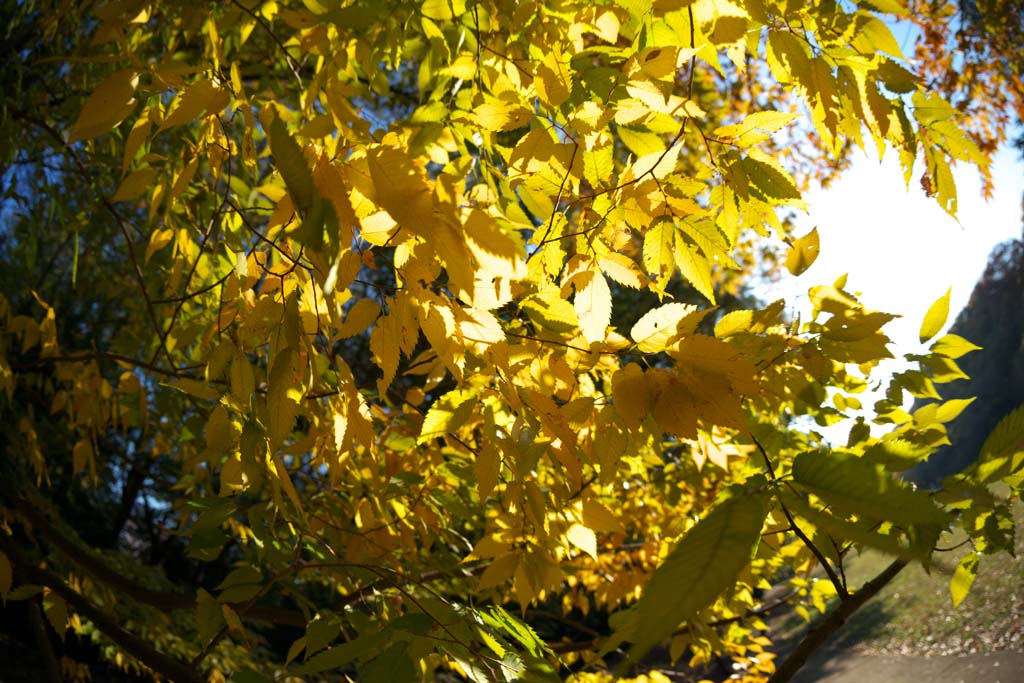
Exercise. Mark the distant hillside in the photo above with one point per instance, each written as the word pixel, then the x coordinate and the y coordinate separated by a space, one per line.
pixel 993 319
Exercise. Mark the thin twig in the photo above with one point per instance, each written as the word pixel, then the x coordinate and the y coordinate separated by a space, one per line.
pixel 833 577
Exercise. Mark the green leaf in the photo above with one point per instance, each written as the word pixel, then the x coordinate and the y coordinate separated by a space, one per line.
pixel 340 655
pixel 250 676
pixel 56 611
pixel 320 632
pixel 935 318
pixel 857 486
pixel 240 585
pixel 896 455
pixel 963 578
pixel 703 565
pixel 391 666
pixel 209 616
pixel 1003 451
pixel 863 532
pixel 292 165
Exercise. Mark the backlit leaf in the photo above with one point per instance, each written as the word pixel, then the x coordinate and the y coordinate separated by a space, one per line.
pixel 593 304
pixel 701 566
pixel 583 538
pixel 803 252
pixel 856 486
pixel 963 578
pixel 935 318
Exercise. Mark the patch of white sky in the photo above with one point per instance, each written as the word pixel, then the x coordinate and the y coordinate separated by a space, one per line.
pixel 901 251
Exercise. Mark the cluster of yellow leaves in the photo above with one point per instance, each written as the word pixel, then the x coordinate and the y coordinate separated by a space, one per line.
pixel 403 332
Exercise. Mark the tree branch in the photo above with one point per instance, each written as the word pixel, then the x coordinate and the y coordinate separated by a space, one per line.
pixel 165 665
pixel 38 627
pixel 820 633
pixel 840 585
pixel 163 600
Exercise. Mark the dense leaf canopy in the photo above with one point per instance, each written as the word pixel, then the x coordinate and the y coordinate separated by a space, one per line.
pixel 410 340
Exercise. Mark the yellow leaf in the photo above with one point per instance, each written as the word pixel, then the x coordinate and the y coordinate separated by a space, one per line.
pixel 755 128
pixel 656 164
pixel 935 318
pixel 499 571
pixel 953 346
pixel 653 332
pixel 480 326
pixel 734 322
pixel 802 254
pixel 548 310
pixel 673 407
pixel 385 355
pixel 157 241
pixel 552 81
pixel 963 578
pixel 630 393
pixel 949 410
pixel 600 518
pixel 111 102
pixel 593 304
pixel 81 455
pixel 623 270
pixel 286 483
pixel 499 250
pixel 401 189
pixel 232 475
pixel 497 114
pixel 232 620
pixel 359 317
pixel 487 469
pixel 201 97
pixel 135 139
pixel 194 388
pixel 694 267
pixel 135 185
pixel 659 259
pixel 243 379
pixel 583 538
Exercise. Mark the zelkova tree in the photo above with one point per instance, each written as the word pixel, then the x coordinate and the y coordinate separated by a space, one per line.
pixel 415 340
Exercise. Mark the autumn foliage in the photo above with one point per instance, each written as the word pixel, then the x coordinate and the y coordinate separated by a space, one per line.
pixel 404 340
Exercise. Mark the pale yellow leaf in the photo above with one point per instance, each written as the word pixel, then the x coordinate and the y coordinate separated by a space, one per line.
pixel 593 304
pixel 658 326
pixel 583 538
pixel 623 270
